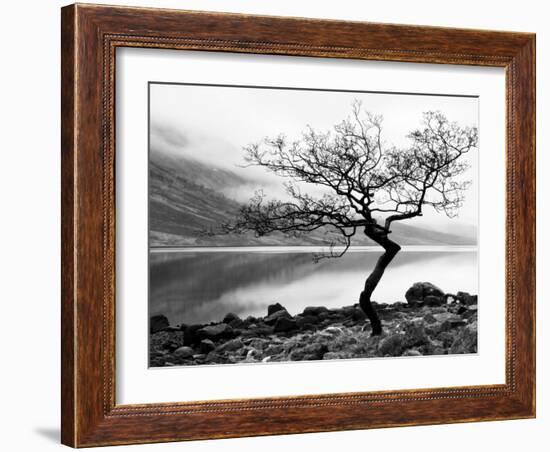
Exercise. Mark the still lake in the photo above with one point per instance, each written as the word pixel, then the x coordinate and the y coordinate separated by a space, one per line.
pixel 201 285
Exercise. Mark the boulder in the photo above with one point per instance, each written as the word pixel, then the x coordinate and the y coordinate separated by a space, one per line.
pixel 184 352
pixel 230 346
pixel 230 317
pixel 466 298
pixel 206 346
pixel 420 291
pixel 433 300
pixel 273 308
pixel 314 310
pixel 284 324
pixel 250 320
pixel 272 319
pixel 158 323
pixel 466 341
pixel 215 332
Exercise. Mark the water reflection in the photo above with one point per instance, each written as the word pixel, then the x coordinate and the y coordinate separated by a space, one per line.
pixel 199 287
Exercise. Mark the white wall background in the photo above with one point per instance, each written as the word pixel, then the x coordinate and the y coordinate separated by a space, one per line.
pixel 29 224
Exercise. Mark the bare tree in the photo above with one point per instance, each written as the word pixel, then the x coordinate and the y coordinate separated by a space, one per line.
pixel 366 184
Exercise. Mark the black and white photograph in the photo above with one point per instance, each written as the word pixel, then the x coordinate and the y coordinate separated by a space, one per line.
pixel 294 224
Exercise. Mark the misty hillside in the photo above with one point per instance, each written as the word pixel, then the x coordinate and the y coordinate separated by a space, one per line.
pixel 188 198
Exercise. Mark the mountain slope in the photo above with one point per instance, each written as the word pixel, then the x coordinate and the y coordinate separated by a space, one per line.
pixel 188 198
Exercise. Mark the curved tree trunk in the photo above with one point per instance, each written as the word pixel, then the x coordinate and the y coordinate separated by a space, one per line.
pixel 391 249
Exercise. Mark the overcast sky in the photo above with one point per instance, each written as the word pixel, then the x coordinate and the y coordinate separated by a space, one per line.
pixel 212 124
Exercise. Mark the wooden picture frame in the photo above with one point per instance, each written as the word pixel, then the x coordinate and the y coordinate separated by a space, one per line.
pixel 90 35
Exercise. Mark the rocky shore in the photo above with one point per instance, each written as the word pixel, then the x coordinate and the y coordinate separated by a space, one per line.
pixel 429 323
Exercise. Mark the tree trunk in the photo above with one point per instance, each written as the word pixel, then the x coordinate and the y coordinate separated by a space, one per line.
pixel 391 249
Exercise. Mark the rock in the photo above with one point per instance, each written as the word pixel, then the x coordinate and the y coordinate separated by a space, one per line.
pixel 348 310
pixel 324 316
pixel 215 332
pixel 419 291
pixel 235 321
pixel 230 317
pixel 429 318
pixel 273 308
pixel 358 315
pixel 184 352
pixel 466 341
pixel 158 323
pixel 460 310
pixel 444 316
pixel 271 319
pixel 170 346
pixel 392 345
pixel 314 310
pixel 250 320
pixel 432 300
pixel 451 324
pixel 340 343
pixel 446 338
pixel 309 352
pixel 466 298
pixel 283 325
pixel 415 333
pixel 257 343
pixel 470 312
pixel 252 356
pixel 206 346
pixel 332 331
pixel 230 346
pixel 191 334
pixel 303 320
pixel 171 329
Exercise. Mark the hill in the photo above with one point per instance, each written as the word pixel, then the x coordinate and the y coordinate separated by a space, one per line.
pixel 188 197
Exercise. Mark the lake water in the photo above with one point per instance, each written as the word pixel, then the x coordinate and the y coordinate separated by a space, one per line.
pixel 202 285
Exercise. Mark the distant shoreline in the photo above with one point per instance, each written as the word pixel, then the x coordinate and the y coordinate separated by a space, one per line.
pixel 307 249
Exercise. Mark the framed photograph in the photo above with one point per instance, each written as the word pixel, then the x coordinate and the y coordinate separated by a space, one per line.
pixel 281 225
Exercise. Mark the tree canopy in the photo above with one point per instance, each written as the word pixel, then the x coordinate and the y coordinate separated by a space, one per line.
pixel 367 183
